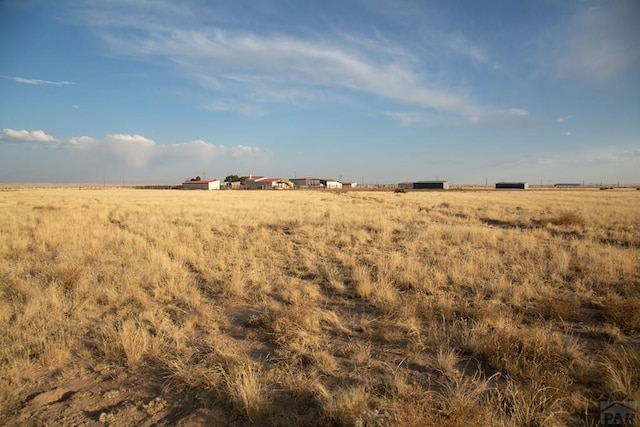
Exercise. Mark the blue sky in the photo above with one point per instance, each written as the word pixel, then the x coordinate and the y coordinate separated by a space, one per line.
pixel 385 91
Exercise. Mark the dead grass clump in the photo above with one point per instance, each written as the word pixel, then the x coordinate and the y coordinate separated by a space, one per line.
pixel 561 307
pixel 246 390
pixel 364 286
pixel 464 401
pixel 447 360
pixel 520 405
pixel 199 374
pixel 566 219
pixel 536 355
pixel 622 376
pixel 333 277
pixel 126 342
pixel 623 312
pixel 346 406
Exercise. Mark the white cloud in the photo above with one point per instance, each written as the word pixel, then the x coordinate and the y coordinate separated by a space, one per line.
pixel 38 81
pixel 134 149
pixel 562 119
pixel 245 151
pixel 565 133
pixel 137 150
pixel 204 150
pixel 80 141
pixel 11 135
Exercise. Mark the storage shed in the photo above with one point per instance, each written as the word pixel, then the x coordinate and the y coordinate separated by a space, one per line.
pixel 306 182
pixel 431 185
pixel 211 184
pixel 330 183
pixel 567 185
pixel 424 185
pixel 512 185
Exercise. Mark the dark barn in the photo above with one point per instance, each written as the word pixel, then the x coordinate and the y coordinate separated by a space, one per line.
pixel 567 185
pixel 512 185
pixel 431 185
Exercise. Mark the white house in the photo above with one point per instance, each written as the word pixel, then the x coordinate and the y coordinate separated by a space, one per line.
pixel 210 184
pixel 263 183
pixel 330 183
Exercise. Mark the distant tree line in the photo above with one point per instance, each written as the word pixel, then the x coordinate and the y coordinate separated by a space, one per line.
pixel 229 178
pixel 236 178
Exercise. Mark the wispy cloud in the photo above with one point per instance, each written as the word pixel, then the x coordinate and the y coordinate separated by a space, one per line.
pixel 461 45
pixel 251 72
pixel 561 119
pixel 509 117
pixel 525 161
pixel 38 81
pixel 407 118
pixel 246 109
pixel 598 43
pixel 626 156
pixel 567 133
pixel 286 62
pixel 500 117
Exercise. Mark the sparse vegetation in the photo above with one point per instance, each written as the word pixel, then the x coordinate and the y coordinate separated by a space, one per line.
pixel 299 308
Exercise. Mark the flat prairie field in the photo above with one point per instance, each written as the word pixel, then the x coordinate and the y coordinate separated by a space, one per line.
pixel 361 308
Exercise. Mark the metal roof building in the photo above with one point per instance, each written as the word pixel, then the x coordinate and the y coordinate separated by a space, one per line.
pixel 512 185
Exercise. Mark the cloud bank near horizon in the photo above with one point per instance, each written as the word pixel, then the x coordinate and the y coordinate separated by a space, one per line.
pixel 136 151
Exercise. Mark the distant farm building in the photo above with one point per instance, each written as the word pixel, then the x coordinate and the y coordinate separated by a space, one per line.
pixel 431 185
pixel 263 183
pixel 330 183
pixel 512 185
pixel 211 184
pixel 567 185
pixel 235 185
pixel 425 185
pixel 306 182
pixel 349 184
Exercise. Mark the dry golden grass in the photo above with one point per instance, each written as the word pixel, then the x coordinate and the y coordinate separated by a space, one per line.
pixel 363 308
